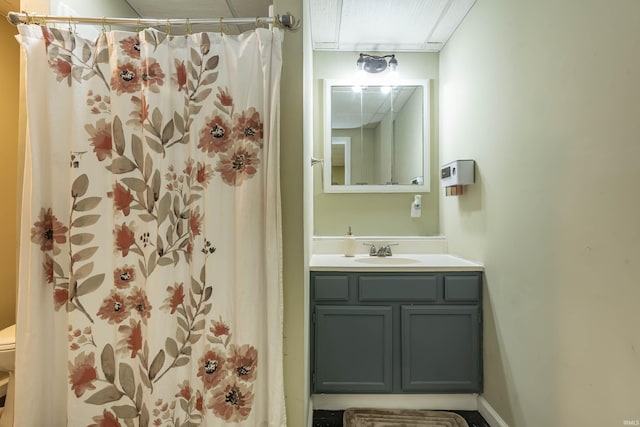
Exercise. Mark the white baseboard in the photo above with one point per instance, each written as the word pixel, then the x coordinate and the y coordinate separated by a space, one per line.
pixel 310 413
pixel 490 414
pixel 463 402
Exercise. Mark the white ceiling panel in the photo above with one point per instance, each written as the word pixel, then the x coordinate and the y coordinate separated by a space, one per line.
pixel 350 25
pixel 203 9
pixel 326 23
pixel 385 22
pixel 449 22
pixel 383 25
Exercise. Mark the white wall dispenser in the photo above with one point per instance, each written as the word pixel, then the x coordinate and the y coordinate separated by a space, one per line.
pixel 416 206
pixel 455 175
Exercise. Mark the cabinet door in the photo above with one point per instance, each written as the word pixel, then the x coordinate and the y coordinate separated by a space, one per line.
pixel 441 348
pixel 353 349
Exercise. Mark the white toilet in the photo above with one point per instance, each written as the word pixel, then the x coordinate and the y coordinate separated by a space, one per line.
pixel 7 364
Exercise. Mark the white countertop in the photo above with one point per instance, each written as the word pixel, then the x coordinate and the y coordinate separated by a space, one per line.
pixel 398 262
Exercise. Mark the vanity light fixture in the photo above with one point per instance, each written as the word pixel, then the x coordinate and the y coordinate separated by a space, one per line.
pixel 376 64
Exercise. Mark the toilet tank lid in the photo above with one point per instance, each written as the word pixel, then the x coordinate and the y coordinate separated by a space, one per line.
pixel 8 338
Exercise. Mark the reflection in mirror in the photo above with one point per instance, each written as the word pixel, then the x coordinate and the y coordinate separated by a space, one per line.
pixel 377 137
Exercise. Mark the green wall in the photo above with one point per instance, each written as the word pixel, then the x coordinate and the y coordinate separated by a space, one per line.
pixel 545 97
pixel 9 84
pixel 291 148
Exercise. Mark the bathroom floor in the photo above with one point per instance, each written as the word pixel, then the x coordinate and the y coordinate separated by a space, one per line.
pixel 334 418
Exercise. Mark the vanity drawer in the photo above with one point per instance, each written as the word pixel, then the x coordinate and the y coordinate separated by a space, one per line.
pixel 462 288
pixel 331 288
pixel 397 288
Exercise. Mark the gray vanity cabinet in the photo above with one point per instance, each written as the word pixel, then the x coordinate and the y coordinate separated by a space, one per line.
pixel 356 349
pixel 396 332
pixel 440 348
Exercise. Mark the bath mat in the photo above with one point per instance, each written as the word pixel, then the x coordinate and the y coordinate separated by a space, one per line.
pixel 361 417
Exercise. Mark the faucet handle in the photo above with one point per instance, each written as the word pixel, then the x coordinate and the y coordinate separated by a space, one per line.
pixel 387 248
pixel 373 251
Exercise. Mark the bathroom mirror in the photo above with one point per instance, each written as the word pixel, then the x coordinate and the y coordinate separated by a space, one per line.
pixel 376 137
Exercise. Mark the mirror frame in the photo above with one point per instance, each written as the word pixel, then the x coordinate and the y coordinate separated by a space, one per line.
pixel 425 187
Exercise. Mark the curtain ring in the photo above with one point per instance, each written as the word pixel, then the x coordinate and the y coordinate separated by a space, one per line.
pixel 104 23
pixel 70 28
pixel 257 17
pixel 188 25
pixel 138 25
pixel 168 28
pixel 221 31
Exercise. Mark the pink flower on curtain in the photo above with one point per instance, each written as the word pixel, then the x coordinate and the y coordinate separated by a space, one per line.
pixel 188 167
pixel 164 411
pixel 100 137
pixel 243 361
pixel 141 111
pixel 248 126
pixel 47 37
pixel 211 369
pixel 131 47
pixel 125 79
pixel 239 165
pixel 195 221
pixel 185 391
pixel 152 73
pixel 219 328
pixel 215 137
pixel 132 340
pixel 60 298
pixel 204 174
pixel 62 69
pixel 139 303
pixel 82 373
pixel 232 401
pixel 224 97
pixel 123 276
pixel 98 103
pixel 125 237
pixel 107 419
pixel 181 75
pixel 189 251
pixel 47 267
pixel 48 232
pixel 122 198
pixel 199 401
pixel 175 298
pixel 113 308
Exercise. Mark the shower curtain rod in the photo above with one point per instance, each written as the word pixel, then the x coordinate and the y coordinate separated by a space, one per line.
pixel 286 21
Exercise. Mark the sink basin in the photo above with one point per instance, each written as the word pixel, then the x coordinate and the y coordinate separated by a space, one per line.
pixel 403 261
pixel 387 260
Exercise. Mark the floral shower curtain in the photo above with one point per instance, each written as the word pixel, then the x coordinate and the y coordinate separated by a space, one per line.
pixel 150 272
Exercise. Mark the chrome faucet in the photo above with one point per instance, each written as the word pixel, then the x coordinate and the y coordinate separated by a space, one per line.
pixel 382 251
